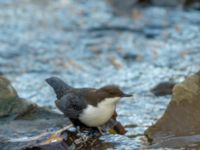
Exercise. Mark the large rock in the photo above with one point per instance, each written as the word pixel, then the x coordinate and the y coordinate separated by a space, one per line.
pixel 6 89
pixel 12 106
pixel 10 103
pixel 180 124
pixel 20 118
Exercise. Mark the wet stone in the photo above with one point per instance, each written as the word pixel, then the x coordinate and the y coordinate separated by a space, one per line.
pixel 179 126
pixel 10 103
pixel 21 120
pixel 164 88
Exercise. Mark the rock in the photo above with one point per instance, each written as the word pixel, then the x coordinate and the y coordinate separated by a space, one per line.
pixel 164 88
pixel 126 7
pixel 195 4
pixel 171 3
pixel 6 89
pixel 68 139
pixel 179 126
pixel 167 3
pixel 10 103
pixel 122 7
pixel 65 139
pixel 21 119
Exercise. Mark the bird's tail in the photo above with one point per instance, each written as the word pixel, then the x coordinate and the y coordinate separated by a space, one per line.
pixel 59 86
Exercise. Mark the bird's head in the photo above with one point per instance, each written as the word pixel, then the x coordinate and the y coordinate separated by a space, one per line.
pixel 112 94
pixel 114 91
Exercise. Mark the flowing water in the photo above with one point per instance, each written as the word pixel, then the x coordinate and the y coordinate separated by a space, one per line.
pixel 86 45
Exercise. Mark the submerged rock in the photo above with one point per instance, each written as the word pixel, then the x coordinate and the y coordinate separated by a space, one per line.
pixel 179 126
pixel 163 88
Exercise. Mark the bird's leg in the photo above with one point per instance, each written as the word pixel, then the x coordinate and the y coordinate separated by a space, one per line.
pixel 100 131
pixel 93 132
pixel 78 130
pixel 96 131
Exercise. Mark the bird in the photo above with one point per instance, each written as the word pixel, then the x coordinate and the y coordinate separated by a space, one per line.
pixel 86 107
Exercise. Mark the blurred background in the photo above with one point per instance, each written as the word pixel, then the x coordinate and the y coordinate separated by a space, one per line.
pixel 135 44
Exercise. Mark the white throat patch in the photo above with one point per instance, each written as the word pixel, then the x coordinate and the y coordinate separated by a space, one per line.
pixel 95 116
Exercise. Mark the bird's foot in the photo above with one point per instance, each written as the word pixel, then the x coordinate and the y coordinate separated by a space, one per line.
pixel 90 132
pixel 83 139
pixel 95 132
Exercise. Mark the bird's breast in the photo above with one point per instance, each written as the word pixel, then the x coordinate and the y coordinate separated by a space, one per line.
pixel 95 116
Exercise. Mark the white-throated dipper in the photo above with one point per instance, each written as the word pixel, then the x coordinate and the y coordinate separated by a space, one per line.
pixel 87 107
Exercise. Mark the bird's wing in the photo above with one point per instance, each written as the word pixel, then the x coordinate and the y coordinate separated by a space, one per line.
pixel 92 97
pixel 71 105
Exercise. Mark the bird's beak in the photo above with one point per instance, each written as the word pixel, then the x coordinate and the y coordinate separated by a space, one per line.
pixel 126 95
